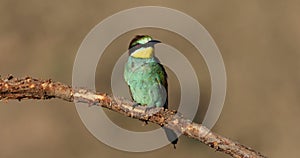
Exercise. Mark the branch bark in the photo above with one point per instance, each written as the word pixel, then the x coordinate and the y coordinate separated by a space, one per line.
pixel 31 88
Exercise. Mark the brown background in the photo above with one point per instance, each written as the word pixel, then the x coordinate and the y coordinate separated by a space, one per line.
pixel 259 42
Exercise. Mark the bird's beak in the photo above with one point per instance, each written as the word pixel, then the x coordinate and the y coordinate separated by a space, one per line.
pixel 155 41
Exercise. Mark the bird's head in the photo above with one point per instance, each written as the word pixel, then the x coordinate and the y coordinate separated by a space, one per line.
pixel 142 46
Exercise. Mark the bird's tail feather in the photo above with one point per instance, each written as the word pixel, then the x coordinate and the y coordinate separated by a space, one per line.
pixel 171 135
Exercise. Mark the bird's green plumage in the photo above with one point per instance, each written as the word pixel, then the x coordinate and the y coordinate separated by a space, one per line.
pixel 146 77
pixel 147 81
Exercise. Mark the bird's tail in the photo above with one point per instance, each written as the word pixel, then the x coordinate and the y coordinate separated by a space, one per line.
pixel 171 135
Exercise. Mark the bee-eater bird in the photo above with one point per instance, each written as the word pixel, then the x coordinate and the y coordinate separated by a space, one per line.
pixel 146 77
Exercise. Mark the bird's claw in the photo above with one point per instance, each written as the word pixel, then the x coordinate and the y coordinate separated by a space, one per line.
pixel 153 110
pixel 135 105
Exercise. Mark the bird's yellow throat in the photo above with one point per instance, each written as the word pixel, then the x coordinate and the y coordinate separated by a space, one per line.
pixel 144 53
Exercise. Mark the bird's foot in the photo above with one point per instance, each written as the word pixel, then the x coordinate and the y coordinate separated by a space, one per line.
pixel 151 110
pixel 135 105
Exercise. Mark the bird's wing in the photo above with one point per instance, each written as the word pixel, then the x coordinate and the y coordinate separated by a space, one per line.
pixel 162 80
pixel 126 75
pixel 165 84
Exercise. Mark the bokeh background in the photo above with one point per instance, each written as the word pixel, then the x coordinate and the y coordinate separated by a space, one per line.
pixel 259 42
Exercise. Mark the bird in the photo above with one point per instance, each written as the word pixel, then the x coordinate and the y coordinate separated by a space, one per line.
pixel 146 77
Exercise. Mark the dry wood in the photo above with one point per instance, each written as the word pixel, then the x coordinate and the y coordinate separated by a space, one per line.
pixel 31 88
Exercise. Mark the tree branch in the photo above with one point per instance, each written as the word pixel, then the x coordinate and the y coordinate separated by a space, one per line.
pixel 31 88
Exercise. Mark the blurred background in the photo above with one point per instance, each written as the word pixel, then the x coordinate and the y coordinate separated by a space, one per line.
pixel 259 42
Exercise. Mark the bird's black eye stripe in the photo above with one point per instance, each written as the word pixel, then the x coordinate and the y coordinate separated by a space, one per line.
pixel 147 44
pixel 134 48
pixel 138 46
